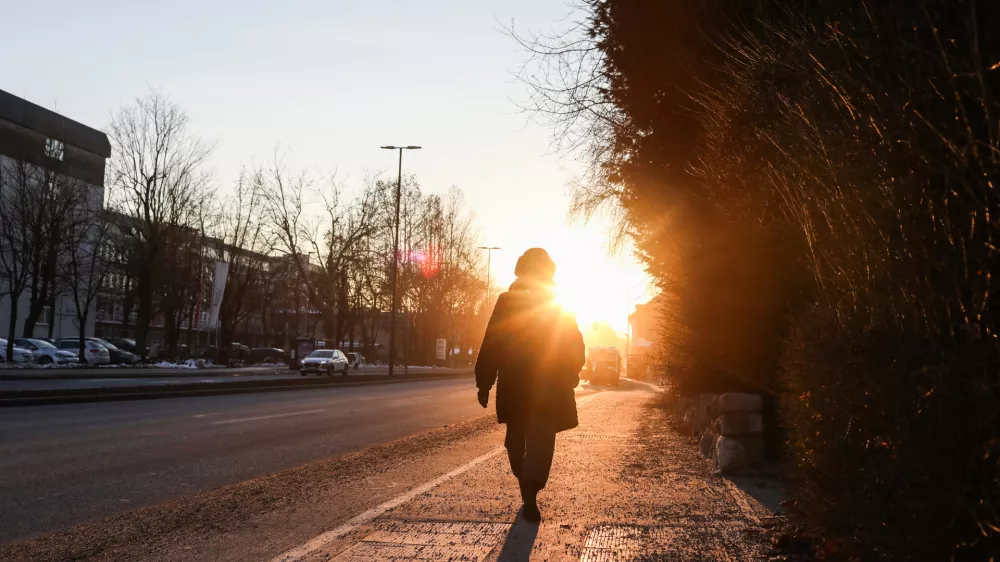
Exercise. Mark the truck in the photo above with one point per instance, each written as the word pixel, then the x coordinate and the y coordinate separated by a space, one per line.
pixel 604 365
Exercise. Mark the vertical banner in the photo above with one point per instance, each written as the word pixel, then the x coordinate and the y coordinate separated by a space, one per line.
pixel 218 289
pixel 442 349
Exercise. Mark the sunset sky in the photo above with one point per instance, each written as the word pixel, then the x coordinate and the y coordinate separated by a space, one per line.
pixel 329 82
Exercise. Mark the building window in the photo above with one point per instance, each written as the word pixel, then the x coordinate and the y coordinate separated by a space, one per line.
pixel 54 148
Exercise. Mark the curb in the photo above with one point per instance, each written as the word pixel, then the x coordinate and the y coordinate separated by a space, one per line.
pixel 145 372
pixel 17 398
pixel 154 372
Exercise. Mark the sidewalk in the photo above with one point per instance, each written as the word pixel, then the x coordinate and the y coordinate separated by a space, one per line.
pixel 624 486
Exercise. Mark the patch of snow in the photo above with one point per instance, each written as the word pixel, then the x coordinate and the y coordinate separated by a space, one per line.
pixel 189 364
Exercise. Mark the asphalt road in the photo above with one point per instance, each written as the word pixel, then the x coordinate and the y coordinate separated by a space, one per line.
pixel 68 464
pixel 164 377
pixel 625 485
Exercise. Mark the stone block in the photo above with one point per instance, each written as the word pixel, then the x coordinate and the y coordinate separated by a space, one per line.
pixel 730 454
pixel 737 402
pixel 699 421
pixel 707 443
pixel 739 453
pixel 739 424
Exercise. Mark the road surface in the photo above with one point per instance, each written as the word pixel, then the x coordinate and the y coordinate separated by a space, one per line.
pixel 153 378
pixel 624 484
pixel 61 465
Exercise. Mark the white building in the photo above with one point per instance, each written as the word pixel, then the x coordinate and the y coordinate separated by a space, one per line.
pixel 54 146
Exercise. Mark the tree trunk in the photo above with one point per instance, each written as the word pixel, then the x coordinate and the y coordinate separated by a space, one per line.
pixel 144 316
pixel 52 309
pixel 36 305
pixel 40 294
pixel 11 326
pixel 81 338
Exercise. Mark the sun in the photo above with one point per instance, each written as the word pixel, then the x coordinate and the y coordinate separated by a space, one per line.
pixel 590 283
pixel 597 288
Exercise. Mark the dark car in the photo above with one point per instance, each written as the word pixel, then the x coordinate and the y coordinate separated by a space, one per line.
pixel 268 355
pixel 237 352
pixel 127 344
pixel 118 356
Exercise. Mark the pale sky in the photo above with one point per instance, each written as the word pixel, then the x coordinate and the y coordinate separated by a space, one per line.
pixel 329 82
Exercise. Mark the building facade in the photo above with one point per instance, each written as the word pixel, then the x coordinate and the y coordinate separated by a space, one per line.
pixel 45 147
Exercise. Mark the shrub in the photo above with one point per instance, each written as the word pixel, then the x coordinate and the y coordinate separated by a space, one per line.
pixel 873 128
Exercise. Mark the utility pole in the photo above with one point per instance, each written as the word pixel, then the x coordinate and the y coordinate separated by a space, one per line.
pixel 395 254
pixel 489 258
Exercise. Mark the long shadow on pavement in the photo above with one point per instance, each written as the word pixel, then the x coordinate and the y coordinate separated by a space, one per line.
pixel 519 542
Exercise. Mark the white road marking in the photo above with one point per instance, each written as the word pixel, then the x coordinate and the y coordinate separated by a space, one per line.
pixel 317 543
pixel 255 418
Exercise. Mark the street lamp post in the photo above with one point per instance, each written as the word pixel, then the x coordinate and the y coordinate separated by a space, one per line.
pixel 395 254
pixel 489 257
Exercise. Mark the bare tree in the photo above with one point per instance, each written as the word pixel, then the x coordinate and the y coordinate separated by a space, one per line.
pixel 88 260
pixel 16 203
pixel 157 185
pixel 334 236
pixel 37 208
pixel 244 243
pixel 53 215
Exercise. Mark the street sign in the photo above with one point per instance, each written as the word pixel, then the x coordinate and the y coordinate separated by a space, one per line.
pixel 442 349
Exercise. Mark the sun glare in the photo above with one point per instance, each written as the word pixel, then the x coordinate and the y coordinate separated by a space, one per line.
pixel 594 286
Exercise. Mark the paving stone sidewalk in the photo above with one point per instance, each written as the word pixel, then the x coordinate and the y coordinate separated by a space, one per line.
pixel 625 486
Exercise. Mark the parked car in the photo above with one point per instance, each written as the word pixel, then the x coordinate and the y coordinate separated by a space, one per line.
pixel 268 355
pixel 20 354
pixel 236 352
pixel 94 353
pixel 44 353
pixel 328 361
pixel 118 356
pixel 355 360
pixel 127 344
pixel 239 351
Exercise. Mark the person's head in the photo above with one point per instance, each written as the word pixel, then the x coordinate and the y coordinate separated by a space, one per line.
pixel 535 265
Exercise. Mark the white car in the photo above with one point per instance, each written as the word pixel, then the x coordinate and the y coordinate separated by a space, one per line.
pixel 324 361
pixel 44 353
pixel 20 354
pixel 94 353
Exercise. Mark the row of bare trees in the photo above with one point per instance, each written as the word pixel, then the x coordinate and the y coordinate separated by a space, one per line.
pixel 50 233
pixel 298 245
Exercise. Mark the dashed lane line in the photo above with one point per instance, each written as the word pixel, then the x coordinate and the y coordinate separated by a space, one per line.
pixel 272 416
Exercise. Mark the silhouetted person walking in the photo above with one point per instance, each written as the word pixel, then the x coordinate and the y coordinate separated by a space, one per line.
pixel 533 351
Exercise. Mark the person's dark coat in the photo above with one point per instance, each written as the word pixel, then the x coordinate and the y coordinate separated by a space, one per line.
pixel 534 351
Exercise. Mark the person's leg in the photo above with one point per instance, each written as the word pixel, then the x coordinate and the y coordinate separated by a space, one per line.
pixel 540 443
pixel 514 442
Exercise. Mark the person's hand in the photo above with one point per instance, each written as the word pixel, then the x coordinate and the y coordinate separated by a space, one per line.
pixel 484 397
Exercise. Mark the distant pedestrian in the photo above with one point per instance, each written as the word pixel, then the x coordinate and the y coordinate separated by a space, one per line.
pixel 533 351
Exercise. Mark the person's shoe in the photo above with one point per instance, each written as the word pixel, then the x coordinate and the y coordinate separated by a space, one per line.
pixel 530 513
pixel 529 494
